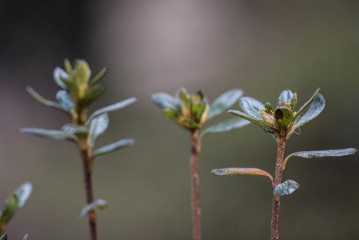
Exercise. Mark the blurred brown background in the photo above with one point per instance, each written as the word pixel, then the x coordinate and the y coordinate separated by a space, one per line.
pixel 262 47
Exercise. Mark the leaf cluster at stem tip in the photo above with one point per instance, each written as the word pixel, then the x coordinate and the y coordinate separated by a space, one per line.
pixel 193 111
pixel 283 120
pixel 78 90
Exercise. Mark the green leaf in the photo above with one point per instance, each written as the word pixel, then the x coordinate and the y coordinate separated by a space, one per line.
pixel 316 107
pixel 253 120
pixel 112 108
pixel 285 188
pixel 170 114
pixel 321 153
pixel 241 171
pixel 51 134
pixel 164 101
pixel 97 204
pixel 98 77
pixel 8 209
pixel 185 102
pixel 44 101
pixel 251 107
pixel 74 129
pixel 223 102
pixel 188 123
pixel 93 94
pixel 14 202
pixel 283 116
pixel 113 147
pixel 225 126
pixel 98 126
pixel 65 101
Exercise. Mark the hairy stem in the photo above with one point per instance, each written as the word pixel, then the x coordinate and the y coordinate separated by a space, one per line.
pixel 196 211
pixel 87 164
pixel 277 180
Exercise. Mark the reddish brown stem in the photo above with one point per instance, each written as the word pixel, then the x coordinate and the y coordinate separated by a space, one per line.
pixel 87 166
pixel 277 180
pixel 196 210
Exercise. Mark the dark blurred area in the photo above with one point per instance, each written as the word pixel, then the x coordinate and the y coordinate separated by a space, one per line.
pixel 262 47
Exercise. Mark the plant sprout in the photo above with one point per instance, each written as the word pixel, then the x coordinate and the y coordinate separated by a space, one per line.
pixel 191 112
pixel 12 204
pixel 281 123
pixel 78 92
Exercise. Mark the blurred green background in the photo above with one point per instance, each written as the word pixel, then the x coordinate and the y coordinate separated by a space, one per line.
pixel 262 47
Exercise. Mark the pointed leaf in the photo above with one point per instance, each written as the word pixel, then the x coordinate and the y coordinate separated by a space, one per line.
pixel 251 107
pixel 44 101
pixel 14 202
pixel 93 94
pixel 8 209
pixel 23 193
pixel 223 102
pixel 321 153
pixel 315 108
pixel 51 134
pixel 253 120
pixel 74 129
pixel 185 102
pixel 58 75
pixel 225 126
pixel 98 126
pixel 164 101
pixel 65 101
pixel 112 108
pixel 241 171
pixel 97 204
pixel 98 77
pixel 113 147
pixel 285 188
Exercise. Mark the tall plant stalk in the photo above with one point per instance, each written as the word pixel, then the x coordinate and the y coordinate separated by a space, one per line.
pixel 191 112
pixel 281 123
pixel 196 209
pixel 78 91
pixel 277 181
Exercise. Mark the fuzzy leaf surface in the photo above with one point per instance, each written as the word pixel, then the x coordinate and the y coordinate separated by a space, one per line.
pixel 253 120
pixel 50 134
pixel 14 202
pixel 315 108
pixel 113 147
pixel 58 75
pixel 241 171
pixel 97 204
pixel 251 107
pixel 164 101
pixel 44 101
pixel 321 153
pixel 98 126
pixel 223 102
pixel 112 107
pixel 285 97
pixel 285 188
pixel 225 126
pixel 65 101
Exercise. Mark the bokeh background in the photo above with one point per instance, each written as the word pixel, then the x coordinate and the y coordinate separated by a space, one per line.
pixel 262 47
